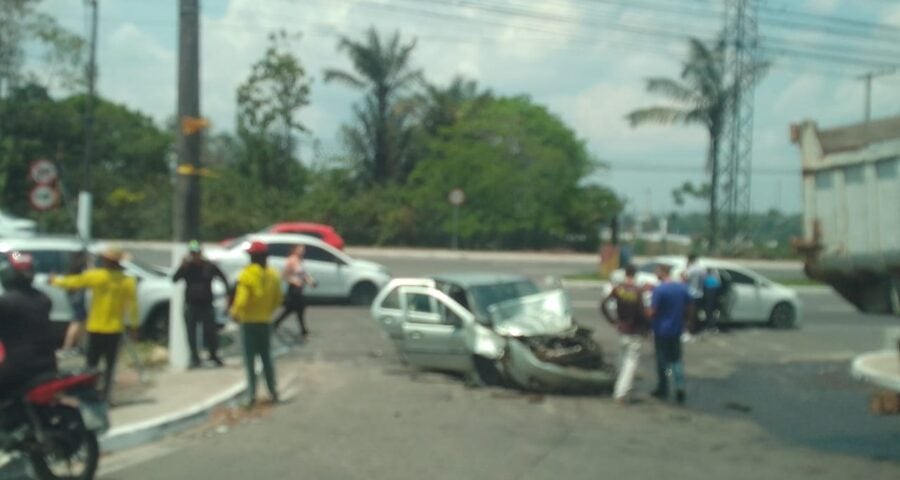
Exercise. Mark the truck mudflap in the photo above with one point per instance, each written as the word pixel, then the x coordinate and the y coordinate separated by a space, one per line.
pixel 533 364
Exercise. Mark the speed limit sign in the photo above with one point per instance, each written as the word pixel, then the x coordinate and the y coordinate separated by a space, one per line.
pixel 43 197
pixel 43 171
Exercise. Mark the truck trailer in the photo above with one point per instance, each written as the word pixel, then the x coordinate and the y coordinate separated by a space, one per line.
pixel 851 210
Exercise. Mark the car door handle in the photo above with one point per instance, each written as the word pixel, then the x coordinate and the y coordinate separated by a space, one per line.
pixel 415 335
pixel 387 320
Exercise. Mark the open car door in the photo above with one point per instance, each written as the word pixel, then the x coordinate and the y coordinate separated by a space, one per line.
pixel 434 330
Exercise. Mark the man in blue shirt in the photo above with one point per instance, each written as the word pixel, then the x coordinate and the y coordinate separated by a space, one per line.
pixel 671 304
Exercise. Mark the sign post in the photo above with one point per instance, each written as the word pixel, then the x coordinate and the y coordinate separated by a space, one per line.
pixel 456 197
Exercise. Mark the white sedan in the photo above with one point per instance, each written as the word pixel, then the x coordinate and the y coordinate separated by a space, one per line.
pixel 338 275
pixel 154 287
pixel 752 297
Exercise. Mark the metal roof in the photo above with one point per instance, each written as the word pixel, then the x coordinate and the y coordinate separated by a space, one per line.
pixel 855 137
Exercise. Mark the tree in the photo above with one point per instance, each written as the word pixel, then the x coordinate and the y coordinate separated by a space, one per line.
pixel 520 167
pixel 688 189
pixel 268 103
pixel 444 106
pixel 130 176
pixel 382 134
pixel 23 27
pixel 703 96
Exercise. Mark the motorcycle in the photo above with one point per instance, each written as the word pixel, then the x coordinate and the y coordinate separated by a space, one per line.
pixel 54 424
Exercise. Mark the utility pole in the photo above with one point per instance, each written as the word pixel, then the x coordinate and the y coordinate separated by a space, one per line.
pixel 187 204
pixel 83 221
pixel 187 189
pixel 867 78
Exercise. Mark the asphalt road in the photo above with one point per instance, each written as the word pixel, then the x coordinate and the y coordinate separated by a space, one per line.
pixel 761 404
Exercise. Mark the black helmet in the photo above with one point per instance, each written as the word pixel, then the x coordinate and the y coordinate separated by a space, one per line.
pixel 16 270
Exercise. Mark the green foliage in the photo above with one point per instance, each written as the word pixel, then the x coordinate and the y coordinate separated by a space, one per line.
pixel 130 178
pixel 23 28
pixel 519 166
pixel 268 103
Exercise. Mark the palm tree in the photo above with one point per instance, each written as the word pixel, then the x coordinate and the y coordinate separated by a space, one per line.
pixel 703 96
pixel 383 70
pixel 444 106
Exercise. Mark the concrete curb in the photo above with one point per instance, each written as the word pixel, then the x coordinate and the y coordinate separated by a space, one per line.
pixel 880 367
pixel 139 433
pixel 135 434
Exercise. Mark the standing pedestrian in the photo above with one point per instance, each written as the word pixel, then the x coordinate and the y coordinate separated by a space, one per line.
pixel 198 274
pixel 671 307
pixel 78 301
pixel 711 286
pixel 257 296
pixel 113 298
pixel 296 277
pixel 693 276
pixel 630 321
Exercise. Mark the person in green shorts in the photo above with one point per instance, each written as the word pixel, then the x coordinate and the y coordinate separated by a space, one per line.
pixel 257 296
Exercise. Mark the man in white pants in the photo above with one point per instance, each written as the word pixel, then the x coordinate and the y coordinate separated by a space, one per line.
pixel 631 322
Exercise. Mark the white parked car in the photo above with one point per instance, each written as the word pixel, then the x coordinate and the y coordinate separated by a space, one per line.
pixel 154 286
pixel 338 275
pixel 15 227
pixel 752 297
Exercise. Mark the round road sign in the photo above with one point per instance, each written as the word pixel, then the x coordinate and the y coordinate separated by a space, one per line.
pixel 43 197
pixel 43 171
pixel 456 196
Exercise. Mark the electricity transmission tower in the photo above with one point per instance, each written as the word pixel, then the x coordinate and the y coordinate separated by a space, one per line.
pixel 742 58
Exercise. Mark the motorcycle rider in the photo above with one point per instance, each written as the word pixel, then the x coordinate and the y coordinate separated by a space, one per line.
pixel 25 328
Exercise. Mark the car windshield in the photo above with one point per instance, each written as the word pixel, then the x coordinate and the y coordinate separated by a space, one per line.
pixel 484 296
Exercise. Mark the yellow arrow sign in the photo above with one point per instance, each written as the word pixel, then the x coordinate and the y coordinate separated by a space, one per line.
pixel 188 169
pixel 192 125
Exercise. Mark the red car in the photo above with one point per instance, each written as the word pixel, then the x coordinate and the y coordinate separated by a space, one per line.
pixel 323 232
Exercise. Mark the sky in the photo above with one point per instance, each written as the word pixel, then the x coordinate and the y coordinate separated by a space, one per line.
pixel 585 59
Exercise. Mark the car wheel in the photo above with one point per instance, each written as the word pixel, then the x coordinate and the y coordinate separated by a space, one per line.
pixel 363 293
pixel 156 328
pixel 485 374
pixel 783 316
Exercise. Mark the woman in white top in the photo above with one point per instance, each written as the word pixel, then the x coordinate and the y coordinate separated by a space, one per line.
pixel 296 277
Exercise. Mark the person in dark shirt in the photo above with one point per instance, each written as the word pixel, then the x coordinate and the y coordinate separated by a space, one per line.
pixel 198 274
pixel 670 306
pixel 25 329
pixel 631 323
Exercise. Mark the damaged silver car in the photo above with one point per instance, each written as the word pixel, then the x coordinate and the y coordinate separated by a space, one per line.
pixel 494 329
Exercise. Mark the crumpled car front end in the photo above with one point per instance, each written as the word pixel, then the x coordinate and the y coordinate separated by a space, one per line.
pixel 545 350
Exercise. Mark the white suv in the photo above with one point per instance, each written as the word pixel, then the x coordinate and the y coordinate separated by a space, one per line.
pixel 154 285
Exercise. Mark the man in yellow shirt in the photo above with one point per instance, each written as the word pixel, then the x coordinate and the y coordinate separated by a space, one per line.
pixel 257 296
pixel 113 297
